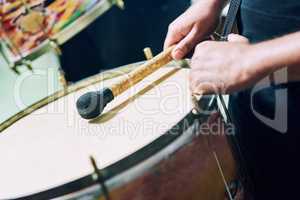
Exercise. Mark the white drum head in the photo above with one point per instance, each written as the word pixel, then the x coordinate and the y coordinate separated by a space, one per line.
pixel 51 147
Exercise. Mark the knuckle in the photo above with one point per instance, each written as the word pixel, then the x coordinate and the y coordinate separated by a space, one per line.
pixel 203 46
pixel 172 27
pixel 199 47
pixel 205 43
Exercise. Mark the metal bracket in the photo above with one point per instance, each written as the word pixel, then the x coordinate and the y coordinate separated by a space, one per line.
pixel 120 4
pixel 98 177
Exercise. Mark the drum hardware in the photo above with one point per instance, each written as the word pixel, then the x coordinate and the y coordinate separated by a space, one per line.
pixel 98 177
pixel 120 4
pixel 91 105
pixel 62 79
pixel 55 46
pixel 148 53
pixel 226 184
pixel 61 73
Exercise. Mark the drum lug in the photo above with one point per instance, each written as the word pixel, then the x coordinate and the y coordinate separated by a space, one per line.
pixel 14 68
pixel 148 53
pixel 98 177
pixel 55 47
pixel 62 79
pixel 120 4
pixel 28 64
pixel 204 104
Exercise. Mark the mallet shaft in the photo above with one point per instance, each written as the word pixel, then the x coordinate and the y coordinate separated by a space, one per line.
pixel 92 104
pixel 142 71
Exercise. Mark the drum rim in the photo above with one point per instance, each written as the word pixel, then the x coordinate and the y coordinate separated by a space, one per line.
pixel 103 76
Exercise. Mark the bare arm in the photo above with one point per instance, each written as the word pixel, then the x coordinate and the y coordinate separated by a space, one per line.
pixel 276 54
pixel 226 67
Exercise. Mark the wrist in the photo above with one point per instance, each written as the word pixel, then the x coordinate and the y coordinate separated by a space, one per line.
pixel 257 61
pixel 213 8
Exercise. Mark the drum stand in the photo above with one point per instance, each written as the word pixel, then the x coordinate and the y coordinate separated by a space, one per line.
pixel 53 43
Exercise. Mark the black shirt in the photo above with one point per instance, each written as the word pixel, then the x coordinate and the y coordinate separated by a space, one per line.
pixel 271 148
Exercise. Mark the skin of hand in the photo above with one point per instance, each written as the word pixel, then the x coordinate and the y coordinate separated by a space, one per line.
pixel 193 26
pixel 226 67
pixel 222 67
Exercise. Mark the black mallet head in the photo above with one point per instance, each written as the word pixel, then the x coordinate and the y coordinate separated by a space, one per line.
pixel 91 104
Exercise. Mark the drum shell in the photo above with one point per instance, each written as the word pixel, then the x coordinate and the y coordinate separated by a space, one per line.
pixel 190 172
pixel 185 169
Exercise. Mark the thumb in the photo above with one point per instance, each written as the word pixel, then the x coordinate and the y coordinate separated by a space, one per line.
pixel 237 38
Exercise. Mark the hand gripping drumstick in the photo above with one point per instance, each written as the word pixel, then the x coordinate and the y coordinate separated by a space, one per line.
pixel 91 104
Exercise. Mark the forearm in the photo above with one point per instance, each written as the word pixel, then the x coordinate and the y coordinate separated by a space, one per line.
pixel 273 55
pixel 211 5
pixel 218 4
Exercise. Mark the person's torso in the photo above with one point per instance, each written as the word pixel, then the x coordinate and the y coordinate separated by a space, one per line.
pixel 261 20
pixel 263 112
pixel 265 19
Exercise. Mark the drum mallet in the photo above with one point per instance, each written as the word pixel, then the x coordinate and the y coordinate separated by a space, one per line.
pixel 91 104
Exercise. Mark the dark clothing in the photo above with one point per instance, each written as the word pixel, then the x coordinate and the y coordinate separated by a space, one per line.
pixel 119 36
pixel 271 152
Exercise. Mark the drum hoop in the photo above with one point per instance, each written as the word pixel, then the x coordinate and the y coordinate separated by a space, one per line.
pixel 128 165
pixel 103 76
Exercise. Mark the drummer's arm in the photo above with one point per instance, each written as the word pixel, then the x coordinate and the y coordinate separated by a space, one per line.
pixel 276 54
pixel 236 65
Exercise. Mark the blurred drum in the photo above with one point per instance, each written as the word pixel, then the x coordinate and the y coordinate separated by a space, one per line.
pixel 147 145
pixel 29 26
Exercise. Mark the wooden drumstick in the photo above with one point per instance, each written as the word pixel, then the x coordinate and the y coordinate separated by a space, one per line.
pixel 91 105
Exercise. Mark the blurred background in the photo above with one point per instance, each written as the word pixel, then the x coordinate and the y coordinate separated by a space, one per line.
pixel 114 39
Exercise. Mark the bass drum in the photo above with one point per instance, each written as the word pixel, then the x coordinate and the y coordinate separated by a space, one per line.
pixel 147 145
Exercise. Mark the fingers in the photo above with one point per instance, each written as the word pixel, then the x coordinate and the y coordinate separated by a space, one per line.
pixel 205 88
pixel 177 30
pixel 237 38
pixel 186 44
pixel 202 83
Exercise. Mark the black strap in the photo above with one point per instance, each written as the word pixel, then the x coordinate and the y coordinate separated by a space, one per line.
pixel 231 17
pixel 243 170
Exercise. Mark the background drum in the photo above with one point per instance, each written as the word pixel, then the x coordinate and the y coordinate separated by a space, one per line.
pixel 147 145
pixel 29 28
pixel 25 43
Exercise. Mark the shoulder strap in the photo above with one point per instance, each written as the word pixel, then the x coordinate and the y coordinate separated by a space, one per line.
pixel 242 168
pixel 231 17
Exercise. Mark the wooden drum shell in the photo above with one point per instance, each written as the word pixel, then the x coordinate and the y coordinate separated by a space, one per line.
pixel 190 172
